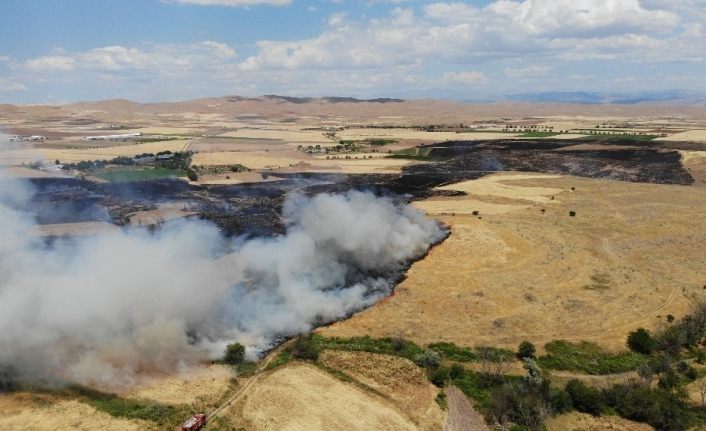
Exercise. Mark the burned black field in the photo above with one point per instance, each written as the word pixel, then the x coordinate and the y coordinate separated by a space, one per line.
pixel 255 208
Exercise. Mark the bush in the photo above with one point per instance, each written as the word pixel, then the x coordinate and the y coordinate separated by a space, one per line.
pixel 526 350
pixel 428 359
pixel 456 371
pixel 304 349
pixel 386 346
pixel 439 376
pixel 588 358
pixel 453 352
pixel 572 213
pixel 663 410
pixel 560 401
pixel 641 341
pixel 191 175
pixel 235 353
pixel 584 398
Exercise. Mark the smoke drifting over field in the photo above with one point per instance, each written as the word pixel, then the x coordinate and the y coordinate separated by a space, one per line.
pixel 107 308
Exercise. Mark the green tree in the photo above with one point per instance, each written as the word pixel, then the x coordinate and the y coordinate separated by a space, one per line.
pixel 641 341
pixel 584 398
pixel 526 350
pixel 235 353
pixel 428 359
pixel 305 349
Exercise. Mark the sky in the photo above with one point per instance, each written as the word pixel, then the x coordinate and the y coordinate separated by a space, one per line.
pixel 57 51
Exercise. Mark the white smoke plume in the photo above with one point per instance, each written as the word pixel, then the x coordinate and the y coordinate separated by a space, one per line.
pixel 110 308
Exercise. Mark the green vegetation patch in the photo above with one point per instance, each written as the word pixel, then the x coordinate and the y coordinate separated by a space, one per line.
pixel 618 137
pixel 161 414
pixel 416 153
pixel 452 352
pixel 283 358
pixel 138 174
pixel 588 358
pixel 599 281
pixel 386 346
pixel 539 134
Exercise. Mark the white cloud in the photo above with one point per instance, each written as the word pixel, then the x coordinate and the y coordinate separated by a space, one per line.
pixel 117 58
pixel 467 77
pixel 235 3
pixel 531 71
pixel 460 33
pixel 51 62
pixel 582 17
pixel 336 19
pixel 7 85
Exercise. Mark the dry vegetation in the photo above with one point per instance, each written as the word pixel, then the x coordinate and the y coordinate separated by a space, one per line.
pixel 515 267
pixel 632 255
pixel 583 422
pixel 302 397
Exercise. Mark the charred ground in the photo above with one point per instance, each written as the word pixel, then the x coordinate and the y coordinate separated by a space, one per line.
pixel 255 208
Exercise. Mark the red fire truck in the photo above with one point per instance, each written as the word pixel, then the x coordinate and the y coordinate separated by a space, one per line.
pixel 195 423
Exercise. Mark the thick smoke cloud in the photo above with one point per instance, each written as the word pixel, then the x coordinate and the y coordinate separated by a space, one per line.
pixel 110 308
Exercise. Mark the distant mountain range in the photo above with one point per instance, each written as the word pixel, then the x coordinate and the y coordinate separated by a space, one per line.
pixel 588 97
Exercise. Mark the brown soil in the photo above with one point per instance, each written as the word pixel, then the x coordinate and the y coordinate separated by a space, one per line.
pixel 462 415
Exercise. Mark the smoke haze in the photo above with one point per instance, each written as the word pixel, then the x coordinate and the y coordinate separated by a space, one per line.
pixel 110 308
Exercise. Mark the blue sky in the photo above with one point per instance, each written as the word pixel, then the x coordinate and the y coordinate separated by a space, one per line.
pixel 152 50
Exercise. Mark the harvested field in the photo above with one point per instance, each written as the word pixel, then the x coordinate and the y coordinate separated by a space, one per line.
pixel 73 229
pixel 289 135
pixel 583 422
pixel 691 135
pixel 61 416
pixel 302 397
pixel 528 274
pixel 416 134
pixel 398 379
pixel 252 159
pixel 200 385
pixel 17 157
pixel 695 164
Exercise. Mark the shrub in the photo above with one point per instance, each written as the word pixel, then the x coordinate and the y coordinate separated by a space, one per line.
pixel 304 349
pixel 439 376
pixel 453 352
pixel 584 398
pixel 235 353
pixel 662 410
pixel 526 350
pixel 572 213
pixel 428 359
pixel 560 401
pixel 191 175
pixel 456 371
pixel 641 341
pixel 588 358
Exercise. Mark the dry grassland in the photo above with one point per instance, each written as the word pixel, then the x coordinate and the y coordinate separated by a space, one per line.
pixel 632 255
pixel 304 398
pixel 691 135
pixel 398 379
pixel 196 385
pixel 16 157
pixel 21 413
pixel 583 422
pixel 407 134
pixel 291 135
pixel 252 159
